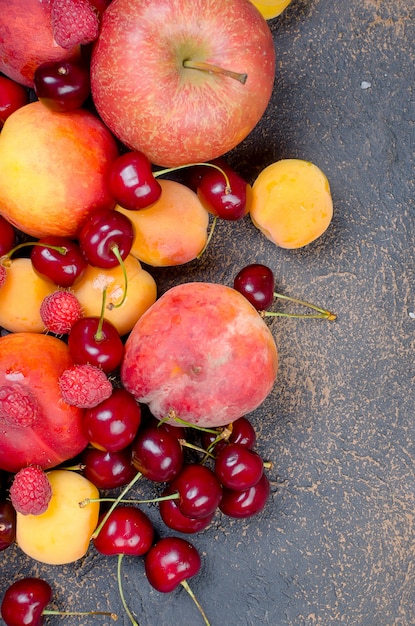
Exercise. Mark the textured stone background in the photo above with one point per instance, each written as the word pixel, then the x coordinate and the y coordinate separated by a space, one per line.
pixel 335 545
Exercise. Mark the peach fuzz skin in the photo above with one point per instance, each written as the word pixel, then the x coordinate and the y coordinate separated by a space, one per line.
pixel 201 353
pixel 37 426
pixel 62 533
pixel 21 297
pixel 141 293
pixel 172 231
pixel 53 169
pixel 291 204
pixel 26 40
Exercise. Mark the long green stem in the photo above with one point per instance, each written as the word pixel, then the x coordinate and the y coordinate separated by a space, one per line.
pixel 209 237
pixel 116 252
pixel 6 261
pixel 186 586
pixel 113 616
pixel 321 313
pixel 99 335
pixel 172 496
pixel 328 314
pixel 121 591
pixel 169 170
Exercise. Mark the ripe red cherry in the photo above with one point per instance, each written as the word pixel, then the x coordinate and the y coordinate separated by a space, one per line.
pixel 237 467
pixel 24 602
pixel 113 424
pixel 131 181
pixel 7 524
pixel 245 503
pixel 126 531
pixel 174 518
pixel 7 236
pixel 199 490
pixel 62 268
pixel 88 342
pixel 62 85
pixel 256 282
pixel 12 97
pixel 157 454
pixel 105 236
pixel 228 202
pixel 170 562
pixel 243 433
pixel 108 470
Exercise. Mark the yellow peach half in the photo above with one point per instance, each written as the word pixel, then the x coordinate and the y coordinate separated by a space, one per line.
pixel 173 230
pixel 271 8
pixel 62 533
pixel 141 293
pixel 21 297
pixel 292 203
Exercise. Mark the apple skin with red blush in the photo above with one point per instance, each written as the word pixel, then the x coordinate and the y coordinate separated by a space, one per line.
pixel 200 353
pixel 37 427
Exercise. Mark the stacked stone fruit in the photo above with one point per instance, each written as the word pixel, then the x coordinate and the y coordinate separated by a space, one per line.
pixel 133 387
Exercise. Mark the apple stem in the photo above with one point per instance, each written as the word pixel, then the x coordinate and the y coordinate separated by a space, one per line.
pixel 214 69
pixel 322 313
pixel 121 591
pixel 6 261
pixel 115 503
pixel 113 616
pixel 116 252
pixel 186 586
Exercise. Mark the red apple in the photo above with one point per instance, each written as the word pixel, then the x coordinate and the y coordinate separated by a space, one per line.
pixel 53 169
pixel 36 425
pixel 157 75
pixel 26 39
pixel 201 353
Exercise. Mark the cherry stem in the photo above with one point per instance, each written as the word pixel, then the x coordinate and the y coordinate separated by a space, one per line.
pixel 210 235
pixel 99 335
pixel 191 446
pixel 172 496
pixel 172 415
pixel 113 616
pixel 116 252
pixel 5 260
pixel 214 69
pixel 322 313
pixel 114 504
pixel 186 586
pixel 121 591
pixel 169 170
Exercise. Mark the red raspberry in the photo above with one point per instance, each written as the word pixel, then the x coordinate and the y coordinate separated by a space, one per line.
pixel 31 491
pixel 85 386
pixel 74 22
pixel 59 312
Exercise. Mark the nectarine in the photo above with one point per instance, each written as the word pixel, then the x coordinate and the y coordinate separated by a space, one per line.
pixel 201 353
pixel 53 169
pixel 37 427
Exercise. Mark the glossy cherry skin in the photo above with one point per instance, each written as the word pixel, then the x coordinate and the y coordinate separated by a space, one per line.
pixel 246 503
pixel 105 351
pixel 7 524
pixel 24 602
pixel 7 236
pixel 108 470
pixel 157 454
pixel 61 269
pixel 174 518
pixel 12 97
pixel 199 490
pixel 228 203
pixel 102 232
pixel 62 85
pixel 256 282
pixel 243 433
pixel 131 181
pixel 113 424
pixel 237 467
pixel 169 562
pixel 126 531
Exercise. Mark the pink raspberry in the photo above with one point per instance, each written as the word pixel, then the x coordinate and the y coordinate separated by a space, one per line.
pixel 85 386
pixel 59 311
pixel 74 22
pixel 31 491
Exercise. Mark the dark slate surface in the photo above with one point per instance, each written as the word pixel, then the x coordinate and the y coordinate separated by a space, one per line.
pixel 335 545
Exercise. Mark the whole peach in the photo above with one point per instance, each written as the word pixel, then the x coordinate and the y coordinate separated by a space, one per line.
pixel 26 39
pixel 201 353
pixel 36 425
pixel 53 169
